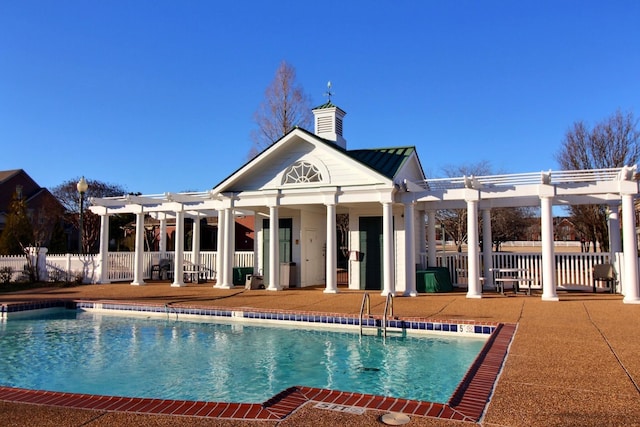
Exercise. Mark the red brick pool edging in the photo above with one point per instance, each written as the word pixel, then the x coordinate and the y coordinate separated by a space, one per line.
pixel 467 403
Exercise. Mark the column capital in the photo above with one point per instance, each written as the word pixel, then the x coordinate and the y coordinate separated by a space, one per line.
pixel 546 191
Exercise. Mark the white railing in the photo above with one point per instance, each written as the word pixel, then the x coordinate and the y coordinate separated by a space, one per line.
pixel 573 270
pixel 121 263
pixel 550 177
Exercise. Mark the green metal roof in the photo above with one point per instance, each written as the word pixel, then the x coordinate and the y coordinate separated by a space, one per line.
pixel 386 161
pixel 328 104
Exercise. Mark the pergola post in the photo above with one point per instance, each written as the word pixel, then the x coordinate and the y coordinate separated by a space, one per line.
pixel 331 286
pixel 474 289
pixel 431 238
pixel 162 244
pixel 178 261
pixel 195 240
pixel 274 250
pixel 630 283
pixel 487 247
pixel 104 249
pixel 387 251
pixel 220 250
pixel 228 248
pixel 615 244
pixel 549 292
pixel 410 250
pixel 138 259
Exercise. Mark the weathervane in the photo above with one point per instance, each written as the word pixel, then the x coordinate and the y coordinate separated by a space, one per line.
pixel 328 93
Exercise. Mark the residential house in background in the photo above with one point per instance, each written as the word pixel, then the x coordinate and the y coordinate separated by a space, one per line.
pixel 39 200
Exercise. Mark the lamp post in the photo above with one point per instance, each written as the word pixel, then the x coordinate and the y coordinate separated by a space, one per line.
pixel 82 188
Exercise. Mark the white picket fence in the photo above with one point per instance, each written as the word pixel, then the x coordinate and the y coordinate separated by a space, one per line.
pixel 573 270
pixel 120 265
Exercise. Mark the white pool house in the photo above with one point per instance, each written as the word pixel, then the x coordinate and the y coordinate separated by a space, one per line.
pixel 295 188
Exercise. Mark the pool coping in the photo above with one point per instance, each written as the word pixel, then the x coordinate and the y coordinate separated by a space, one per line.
pixel 467 403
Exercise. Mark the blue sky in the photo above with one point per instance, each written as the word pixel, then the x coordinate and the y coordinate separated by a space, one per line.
pixel 159 96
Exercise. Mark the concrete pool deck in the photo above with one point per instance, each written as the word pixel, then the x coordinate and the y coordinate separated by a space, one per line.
pixel 572 362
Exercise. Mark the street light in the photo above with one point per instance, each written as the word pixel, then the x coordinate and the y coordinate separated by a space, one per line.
pixel 82 188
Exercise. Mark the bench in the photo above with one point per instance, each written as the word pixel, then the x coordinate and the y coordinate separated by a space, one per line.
pixel 516 276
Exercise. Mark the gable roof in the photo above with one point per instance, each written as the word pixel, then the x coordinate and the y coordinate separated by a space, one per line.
pixel 384 162
pixel 5 175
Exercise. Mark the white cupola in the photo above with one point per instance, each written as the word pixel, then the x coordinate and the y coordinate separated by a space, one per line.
pixel 328 123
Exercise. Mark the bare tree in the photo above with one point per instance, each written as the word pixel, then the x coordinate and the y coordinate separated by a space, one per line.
pixel 67 194
pixel 509 224
pixel 612 143
pixel 284 107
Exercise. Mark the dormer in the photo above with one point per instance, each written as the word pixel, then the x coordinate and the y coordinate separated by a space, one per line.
pixel 328 123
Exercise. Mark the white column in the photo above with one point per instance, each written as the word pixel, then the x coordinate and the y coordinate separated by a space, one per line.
pixel 387 251
pixel 474 289
pixel 162 244
pixel 274 250
pixel 138 260
pixel 615 244
pixel 630 279
pixel 431 238
pixel 220 250
pixel 487 247
pixel 332 251
pixel 195 241
pixel 228 249
pixel 178 260
pixel 548 255
pixel 421 235
pixel 410 250
pixel 104 249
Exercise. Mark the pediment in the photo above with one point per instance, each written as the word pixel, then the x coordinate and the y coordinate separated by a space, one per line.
pixel 300 160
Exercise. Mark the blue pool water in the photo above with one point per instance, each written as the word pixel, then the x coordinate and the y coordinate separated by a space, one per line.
pixel 138 357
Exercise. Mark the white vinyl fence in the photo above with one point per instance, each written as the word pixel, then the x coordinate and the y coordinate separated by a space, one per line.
pixel 573 270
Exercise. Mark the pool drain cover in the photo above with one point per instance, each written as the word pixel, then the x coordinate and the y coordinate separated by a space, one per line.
pixel 395 419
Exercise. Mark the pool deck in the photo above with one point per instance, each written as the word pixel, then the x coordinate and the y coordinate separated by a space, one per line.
pixel 571 363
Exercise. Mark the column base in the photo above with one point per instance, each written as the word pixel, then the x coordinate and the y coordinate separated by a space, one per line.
pixel 410 294
pixel 223 287
pixel 550 298
pixel 274 288
pixel 177 285
pixel 474 296
pixel 138 283
pixel 631 301
pixel 330 291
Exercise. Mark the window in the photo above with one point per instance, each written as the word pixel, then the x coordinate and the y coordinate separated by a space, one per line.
pixel 301 172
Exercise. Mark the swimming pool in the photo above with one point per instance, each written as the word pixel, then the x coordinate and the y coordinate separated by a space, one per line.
pixel 132 356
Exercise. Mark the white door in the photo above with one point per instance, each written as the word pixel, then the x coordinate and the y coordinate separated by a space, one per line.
pixel 313 258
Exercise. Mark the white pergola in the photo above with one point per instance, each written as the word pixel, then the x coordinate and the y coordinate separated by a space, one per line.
pixel 615 187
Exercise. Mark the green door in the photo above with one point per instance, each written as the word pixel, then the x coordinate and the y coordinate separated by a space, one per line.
pixel 371 253
pixel 285 236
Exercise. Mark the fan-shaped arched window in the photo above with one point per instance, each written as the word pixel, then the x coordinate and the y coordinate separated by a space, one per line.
pixel 301 172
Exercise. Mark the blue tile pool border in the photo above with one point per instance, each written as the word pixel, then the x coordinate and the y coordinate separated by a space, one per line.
pixel 455 327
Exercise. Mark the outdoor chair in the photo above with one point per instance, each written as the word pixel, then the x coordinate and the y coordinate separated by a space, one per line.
pixel 605 273
pixel 162 269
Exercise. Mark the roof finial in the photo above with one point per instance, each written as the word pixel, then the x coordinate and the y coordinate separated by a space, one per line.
pixel 328 93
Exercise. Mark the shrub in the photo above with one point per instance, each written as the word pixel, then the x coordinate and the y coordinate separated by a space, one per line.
pixel 6 273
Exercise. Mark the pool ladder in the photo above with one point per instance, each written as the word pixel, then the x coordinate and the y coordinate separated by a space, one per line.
pixel 366 305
